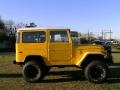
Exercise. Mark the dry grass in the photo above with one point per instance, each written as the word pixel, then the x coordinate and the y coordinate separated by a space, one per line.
pixel 57 79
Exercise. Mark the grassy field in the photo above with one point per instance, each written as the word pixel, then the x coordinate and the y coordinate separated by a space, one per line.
pixel 58 79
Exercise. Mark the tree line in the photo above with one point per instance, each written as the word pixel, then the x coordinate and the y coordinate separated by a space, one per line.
pixel 8 33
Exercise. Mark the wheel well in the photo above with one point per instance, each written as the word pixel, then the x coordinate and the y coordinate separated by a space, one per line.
pixel 38 59
pixel 90 58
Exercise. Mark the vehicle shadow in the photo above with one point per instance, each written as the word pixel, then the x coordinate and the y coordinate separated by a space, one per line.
pixel 114 76
pixel 117 64
pixel 115 51
pixel 10 75
pixel 77 75
pixel 61 76
pixel 69 76
pixel 65 76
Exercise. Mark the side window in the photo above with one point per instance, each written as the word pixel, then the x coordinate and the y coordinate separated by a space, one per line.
pixel 33 37
pixel 59 36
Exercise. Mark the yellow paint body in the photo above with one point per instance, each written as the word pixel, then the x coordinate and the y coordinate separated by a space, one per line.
pixel 55 53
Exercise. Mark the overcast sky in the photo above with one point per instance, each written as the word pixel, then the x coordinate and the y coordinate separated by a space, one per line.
pixel 80 15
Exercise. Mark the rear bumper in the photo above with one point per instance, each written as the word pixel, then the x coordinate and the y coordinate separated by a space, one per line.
pixel 18 63
pixel 14 62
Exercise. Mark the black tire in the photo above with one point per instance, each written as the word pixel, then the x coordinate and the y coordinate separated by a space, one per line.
pixel 96 72
pixel 32 72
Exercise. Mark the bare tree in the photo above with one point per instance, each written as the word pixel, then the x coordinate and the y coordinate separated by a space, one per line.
pixel 31 24
pixel 2 25
pixel 20 25
pixel 2 29
pixel 10 27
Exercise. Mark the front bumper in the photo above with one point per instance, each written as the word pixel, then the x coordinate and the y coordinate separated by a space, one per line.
pixel 109 60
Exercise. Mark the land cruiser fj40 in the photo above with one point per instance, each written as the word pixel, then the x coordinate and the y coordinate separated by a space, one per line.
pixel 39 49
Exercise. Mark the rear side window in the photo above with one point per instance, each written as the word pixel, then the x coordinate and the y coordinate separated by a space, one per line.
pixel 33 37
pixel 18 37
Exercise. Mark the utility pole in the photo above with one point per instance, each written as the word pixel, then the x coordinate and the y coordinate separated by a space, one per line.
pixel 102 35
pixel 88 36
pixel 109 32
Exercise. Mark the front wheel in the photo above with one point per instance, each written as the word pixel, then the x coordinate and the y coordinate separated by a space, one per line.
pixel 96 72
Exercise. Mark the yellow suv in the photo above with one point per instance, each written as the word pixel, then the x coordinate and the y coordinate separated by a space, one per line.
pixel 39 49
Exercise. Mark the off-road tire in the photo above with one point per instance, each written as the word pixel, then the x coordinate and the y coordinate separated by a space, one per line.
pixel 96 72
pixel 32 72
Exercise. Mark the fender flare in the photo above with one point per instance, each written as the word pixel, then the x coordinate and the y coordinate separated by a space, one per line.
pixel 81 60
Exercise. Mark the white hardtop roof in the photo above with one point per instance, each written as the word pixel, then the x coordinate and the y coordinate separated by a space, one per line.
pixel 38 28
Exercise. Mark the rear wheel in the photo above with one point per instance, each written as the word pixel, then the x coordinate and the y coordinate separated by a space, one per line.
pixel 32 72
pixel 96 72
